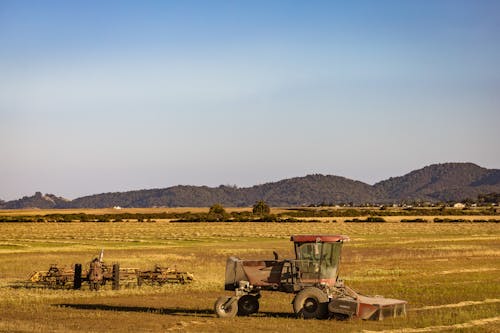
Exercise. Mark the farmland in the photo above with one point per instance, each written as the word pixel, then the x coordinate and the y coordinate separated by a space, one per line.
pixel 448 273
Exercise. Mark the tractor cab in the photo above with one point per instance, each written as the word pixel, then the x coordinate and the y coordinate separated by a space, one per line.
pixel 317 258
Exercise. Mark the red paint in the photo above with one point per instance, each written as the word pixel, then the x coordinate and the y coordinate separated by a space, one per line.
pixel 318 238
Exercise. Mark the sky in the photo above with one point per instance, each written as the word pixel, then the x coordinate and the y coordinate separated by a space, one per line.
pixel 105 96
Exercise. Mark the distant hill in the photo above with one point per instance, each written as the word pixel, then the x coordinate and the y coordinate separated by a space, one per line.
pixel 312 189
pixel 438 182
pixel 288 192
pixel 442 182
pixel 36 201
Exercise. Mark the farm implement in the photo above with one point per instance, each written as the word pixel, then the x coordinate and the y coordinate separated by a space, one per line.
pixel 97 274
pixel 55 277
pixel 161 275
pixel 312 276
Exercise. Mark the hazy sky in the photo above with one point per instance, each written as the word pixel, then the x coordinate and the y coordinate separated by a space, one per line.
pixel 101 96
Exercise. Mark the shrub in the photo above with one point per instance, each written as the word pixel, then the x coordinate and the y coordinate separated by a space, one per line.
pixel 487 221
pixel 217 213
pixel 217 209
pixel 368 219
pixel 438 220
pixel 261 208
pixel 419 220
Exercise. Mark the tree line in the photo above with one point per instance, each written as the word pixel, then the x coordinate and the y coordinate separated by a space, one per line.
pixel 261 212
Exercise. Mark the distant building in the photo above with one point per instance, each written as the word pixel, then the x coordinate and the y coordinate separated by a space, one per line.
pixel 459 205
pixel 117 207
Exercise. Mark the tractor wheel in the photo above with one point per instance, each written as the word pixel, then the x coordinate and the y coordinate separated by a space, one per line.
pixel 223 311
pixel 247 305
pixel 311 303
pixel 77 278
pixel 116 277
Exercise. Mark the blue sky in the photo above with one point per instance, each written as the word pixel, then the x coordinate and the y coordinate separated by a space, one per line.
pixel 110 96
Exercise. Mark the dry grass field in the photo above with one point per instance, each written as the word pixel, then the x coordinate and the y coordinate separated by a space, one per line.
pixel 98 211
pixel 448 272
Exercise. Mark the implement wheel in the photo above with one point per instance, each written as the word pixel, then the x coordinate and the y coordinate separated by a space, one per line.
pixel 311 303
pixel 226 307
pixel 77 279
pixel 247 305
pixel 116 277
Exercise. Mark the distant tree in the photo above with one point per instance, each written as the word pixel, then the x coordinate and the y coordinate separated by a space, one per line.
pixel 217 213
pixel 261 208
pixel 217 209
pixel 489 198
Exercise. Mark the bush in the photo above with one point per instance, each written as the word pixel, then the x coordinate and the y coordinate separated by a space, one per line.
pixel 217 209
pixel 261 208
pixel 487 221
pixel 217 213
pixel 438 220
pixel 414 220
pixel 368 219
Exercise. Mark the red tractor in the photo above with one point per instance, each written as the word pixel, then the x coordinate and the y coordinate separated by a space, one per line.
pixel 312 276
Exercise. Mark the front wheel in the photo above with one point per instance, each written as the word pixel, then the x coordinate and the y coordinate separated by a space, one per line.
pixel 311 303
pixel 226 307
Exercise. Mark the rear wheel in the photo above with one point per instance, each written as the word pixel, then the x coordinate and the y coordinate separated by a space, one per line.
pixel 116 277
pixel 247 305
pixel 225 307
pixel 77 278
pixel 311 303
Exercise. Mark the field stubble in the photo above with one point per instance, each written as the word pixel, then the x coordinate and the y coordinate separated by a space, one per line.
pixel 432 266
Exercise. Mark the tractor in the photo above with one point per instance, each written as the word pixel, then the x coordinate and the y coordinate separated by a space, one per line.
pixel 312 276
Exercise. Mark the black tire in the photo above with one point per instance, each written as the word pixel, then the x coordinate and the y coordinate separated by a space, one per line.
pixel 77 278
pixel 247 305
pixel 311 303
pixel 116 277
pixel 225 312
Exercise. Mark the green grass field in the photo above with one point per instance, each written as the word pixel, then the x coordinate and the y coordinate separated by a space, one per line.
pixel 448 273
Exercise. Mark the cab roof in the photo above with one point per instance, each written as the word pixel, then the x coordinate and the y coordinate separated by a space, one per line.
pixel 318 238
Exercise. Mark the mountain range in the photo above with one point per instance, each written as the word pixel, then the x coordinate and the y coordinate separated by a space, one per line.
pixel 437 182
